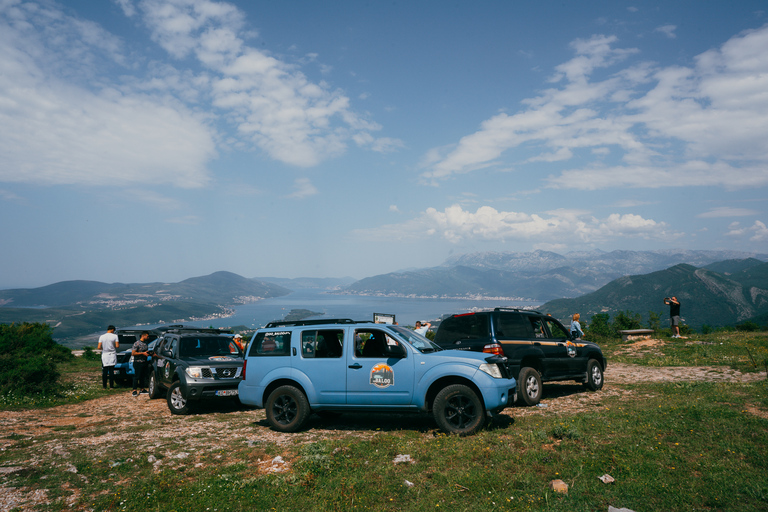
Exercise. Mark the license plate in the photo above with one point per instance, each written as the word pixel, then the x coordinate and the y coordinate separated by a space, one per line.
pixel 226 392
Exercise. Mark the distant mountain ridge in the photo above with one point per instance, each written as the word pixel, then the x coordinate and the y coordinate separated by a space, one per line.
pixel 706 296
pixel 76 308
pixel 535 276
pixel 217 288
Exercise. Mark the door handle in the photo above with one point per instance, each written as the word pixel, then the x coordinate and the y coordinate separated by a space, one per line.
pixel 356 366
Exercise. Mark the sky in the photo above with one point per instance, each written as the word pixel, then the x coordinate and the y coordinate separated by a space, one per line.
pixel 157 140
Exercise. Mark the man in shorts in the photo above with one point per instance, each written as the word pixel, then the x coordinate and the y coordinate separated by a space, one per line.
pixel 674 315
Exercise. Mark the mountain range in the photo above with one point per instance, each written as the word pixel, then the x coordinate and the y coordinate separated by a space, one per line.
pixel 716 288
pixel 723 293
pixel 534 276
pixel 76 308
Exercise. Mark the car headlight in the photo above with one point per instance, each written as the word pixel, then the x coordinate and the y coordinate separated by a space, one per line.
pixel 195 372
pixel 491 369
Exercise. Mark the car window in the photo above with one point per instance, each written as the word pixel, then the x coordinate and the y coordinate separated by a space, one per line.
pixel 556 330
pixel 205 346
pixel 372 343
pixel 416 340
pixel 325 343
pixel 537 326
pixel 462 327
pixel 270 344
pixel 512 326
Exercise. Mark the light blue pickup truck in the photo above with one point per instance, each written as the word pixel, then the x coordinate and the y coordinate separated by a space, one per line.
pixel 295 368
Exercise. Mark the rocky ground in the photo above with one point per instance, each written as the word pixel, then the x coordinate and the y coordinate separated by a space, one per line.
pixel 99 427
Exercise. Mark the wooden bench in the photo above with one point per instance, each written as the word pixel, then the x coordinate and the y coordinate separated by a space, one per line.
pixel 635 334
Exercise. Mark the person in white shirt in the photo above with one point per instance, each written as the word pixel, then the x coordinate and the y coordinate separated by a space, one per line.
pixel 108 344
pixel 422 328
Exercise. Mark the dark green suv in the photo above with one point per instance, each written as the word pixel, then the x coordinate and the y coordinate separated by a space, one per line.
pixel 194 365
pixel 537 346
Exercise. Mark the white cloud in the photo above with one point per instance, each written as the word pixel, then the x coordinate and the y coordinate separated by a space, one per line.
pixel 455 225
pixel 54 131
pixel 65 120
pixel 704 125
pixel 270 102
pixel 667 30
pixel 303 188
pixel 725 211
pixel 758 231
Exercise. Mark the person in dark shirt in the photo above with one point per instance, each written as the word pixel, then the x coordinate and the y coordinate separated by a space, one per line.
pixel 674 315
pixel 140 351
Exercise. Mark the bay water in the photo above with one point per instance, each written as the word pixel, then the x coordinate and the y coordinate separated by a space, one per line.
pixel 407 310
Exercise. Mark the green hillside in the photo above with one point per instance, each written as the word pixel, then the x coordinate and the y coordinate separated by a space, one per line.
pixel 84 307
pixel 706 297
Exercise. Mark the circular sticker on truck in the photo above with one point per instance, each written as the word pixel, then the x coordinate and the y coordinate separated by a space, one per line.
pixel 382 376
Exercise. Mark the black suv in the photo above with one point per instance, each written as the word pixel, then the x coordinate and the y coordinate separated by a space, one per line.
pixel 538 348
pixel 195 364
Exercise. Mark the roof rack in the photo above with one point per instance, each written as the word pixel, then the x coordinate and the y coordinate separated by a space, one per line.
pixel 206 330
pixel 518 310
pixel 311 322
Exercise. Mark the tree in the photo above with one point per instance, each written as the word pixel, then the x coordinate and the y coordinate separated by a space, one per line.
pixel 599 326
pixel 28 358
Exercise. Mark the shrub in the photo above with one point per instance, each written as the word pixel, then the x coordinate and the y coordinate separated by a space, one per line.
pixel 654 320
pixel 90 355
pixel 748 327
pixel 28 358
pixel 599 327
pixel 625 320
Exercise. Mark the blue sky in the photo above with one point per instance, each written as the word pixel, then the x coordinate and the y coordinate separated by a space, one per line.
pixel 149 140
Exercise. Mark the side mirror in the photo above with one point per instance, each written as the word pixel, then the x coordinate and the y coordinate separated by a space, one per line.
pixel 167 353
pixel 394 349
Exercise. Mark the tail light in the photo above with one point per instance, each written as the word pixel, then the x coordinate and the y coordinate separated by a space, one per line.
pixel 493 348
pixel 242 374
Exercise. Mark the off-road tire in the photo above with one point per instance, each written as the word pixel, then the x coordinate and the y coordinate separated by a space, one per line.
pixel 529 386
pixel 177 403
pixel 595 376
pixel 287 409
pixel 458 410
pixel 153 388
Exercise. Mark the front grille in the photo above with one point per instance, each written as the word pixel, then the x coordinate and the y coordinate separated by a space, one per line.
pixel 226 373
pixel 221 373
pixel 124 357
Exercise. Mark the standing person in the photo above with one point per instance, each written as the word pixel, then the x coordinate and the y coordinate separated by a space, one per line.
pixel 108 344
pixel 140 352
pixel 674 315
pixel 422 328
pixel 239 342
pixel 576 331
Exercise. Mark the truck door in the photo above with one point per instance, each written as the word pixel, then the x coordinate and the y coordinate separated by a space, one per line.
pixel 372 377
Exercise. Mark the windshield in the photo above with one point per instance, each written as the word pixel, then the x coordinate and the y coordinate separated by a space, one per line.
pixel 200 347
pixel 416 340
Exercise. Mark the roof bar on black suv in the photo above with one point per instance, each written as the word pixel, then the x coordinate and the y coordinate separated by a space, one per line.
pixel 518 310
pixel 311 322
pixel 206 330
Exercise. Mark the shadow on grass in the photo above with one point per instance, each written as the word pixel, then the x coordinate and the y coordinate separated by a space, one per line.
pixel 385 422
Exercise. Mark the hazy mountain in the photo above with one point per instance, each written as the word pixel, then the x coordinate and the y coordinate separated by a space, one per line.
pixel 77 308
pixel 221 288
pixel 706 297
pixel 537 275
pixel 729 267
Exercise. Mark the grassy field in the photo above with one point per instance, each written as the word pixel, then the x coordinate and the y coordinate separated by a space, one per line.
pixel 683 445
